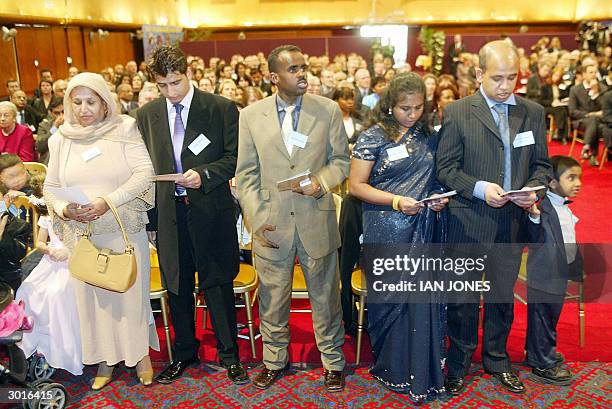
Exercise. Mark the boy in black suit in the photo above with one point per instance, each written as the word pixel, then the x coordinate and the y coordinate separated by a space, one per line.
pixel 553 259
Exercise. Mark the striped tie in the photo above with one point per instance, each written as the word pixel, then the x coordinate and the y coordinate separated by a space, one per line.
pixel 177 144
pixel 504 131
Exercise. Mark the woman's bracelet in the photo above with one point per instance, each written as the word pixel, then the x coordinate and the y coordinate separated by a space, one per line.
pixel 396 200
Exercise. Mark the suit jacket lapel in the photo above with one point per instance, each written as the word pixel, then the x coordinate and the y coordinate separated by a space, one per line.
pixel 272 126
pixel 516 116
pixel 555 225
pixel 483 113
pixel 160 121
pixel 306 122
pixel 197 116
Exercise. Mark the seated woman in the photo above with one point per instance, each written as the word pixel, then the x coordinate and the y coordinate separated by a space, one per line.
pixel 444 95
pixel 392 168
pixel 41 104
pixel 103 154
pixel 15 138
pixel 353 120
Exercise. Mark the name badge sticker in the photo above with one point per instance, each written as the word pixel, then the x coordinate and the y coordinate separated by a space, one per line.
pixel 199 144
pixel 523 139
pixel 397 153
pixel 298 139
pixel 91 153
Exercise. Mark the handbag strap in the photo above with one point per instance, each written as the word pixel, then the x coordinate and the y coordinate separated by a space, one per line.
pixel 128 245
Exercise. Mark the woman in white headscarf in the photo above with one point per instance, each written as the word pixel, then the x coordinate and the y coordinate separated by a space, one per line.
pixel 103 154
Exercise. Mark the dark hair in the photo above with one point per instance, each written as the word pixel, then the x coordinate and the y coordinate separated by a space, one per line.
pixel 440 88
pixel 55 102
pixel 344 93
pixel 37 183
pixel 246 78
pixel 404 84
pixel 255 71
pixel 166 60
pixel 48 82
pixel 273 57
pixel 11 80
pixel 8 160
pixel 377 80
pixel 46 70
pixel 561 163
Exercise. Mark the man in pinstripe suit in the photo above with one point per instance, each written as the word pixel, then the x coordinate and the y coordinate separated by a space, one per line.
pixel 490 142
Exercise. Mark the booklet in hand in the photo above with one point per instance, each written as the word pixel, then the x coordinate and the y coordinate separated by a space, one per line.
pixel 294 181
pixel 524 190
pixel 169 177
pixel 439 196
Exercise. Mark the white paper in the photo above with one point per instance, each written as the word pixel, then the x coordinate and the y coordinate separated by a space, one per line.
pixel 399 152
pixel 437 128
pixel 525 190
pixel 70 194
pixel 298 139
pixel 305 182
pixel 199 144
pixel 523 139
pixel 305 173
pixel 440 196
pixel 91 153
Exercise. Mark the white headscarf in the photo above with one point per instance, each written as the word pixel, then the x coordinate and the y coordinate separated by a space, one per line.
pixel 113 127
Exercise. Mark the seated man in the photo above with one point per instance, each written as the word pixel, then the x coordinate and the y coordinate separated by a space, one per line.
pixel 47 127
pixel 585 110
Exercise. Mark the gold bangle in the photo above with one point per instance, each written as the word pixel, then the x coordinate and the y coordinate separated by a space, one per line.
pixel 396 200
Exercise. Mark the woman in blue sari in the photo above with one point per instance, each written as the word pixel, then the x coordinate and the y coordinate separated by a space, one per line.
pixel 392 168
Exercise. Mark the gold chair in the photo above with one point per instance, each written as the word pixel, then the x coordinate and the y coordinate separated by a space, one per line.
pixel 604 157
pixel 158 292
pixel 579 296
pixel 30 214
pixel 35 168
pixel 551 127
pixel 577 136
pixel 358 285
pixel 245 283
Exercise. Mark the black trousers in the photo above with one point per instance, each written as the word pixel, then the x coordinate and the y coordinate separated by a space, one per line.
pixel 590 125
pixel 543 311
pixel 560 114
pixel 219 299
pixel 501 270
pixel 351 227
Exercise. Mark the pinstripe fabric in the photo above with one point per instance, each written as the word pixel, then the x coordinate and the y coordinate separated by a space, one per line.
pixel 471 149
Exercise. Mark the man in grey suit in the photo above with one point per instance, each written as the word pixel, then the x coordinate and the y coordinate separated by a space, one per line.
pixel 284 135
pixel 490 143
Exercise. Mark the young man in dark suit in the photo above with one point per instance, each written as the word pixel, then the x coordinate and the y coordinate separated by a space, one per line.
pixel 553 259
pixel 194 133
pixel 585 110
pixel 491 142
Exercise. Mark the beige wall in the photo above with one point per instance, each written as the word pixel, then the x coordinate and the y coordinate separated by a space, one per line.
pixel 275 13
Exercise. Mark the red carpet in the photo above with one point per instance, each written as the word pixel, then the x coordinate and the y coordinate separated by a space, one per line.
pixel 595 226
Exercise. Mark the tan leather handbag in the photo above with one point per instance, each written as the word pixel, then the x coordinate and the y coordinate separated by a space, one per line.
pixel 101 267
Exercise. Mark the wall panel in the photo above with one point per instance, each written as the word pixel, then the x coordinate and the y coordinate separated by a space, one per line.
pixel 8 64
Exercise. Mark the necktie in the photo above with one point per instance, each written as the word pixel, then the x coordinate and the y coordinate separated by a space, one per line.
pixel 177 144
pixel 21 119
pixel 504 131
pixel 287 127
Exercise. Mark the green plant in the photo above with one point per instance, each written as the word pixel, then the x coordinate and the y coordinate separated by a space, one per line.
pixel 432 41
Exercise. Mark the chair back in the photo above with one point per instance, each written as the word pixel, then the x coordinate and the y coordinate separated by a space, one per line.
pixel 35 168
pixel 29 213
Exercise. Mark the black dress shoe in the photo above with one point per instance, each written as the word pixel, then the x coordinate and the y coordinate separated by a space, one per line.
pixel 509 381
pixel 593 161
pixel 266 378
pixel 454 385
pixel 175 370
pixel 334 380
pixel 236 373
pixel 556 375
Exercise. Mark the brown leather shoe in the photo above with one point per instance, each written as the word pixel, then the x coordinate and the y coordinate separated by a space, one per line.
pixel 266 378
pixel 334 380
